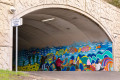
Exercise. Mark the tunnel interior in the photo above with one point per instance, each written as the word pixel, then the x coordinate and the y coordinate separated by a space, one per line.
pixel 56 32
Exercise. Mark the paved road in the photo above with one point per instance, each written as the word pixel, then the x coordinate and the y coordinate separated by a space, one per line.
pixel 77 75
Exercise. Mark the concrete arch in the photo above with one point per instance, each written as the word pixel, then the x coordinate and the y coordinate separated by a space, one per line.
pixel 32 9
pixel 86 14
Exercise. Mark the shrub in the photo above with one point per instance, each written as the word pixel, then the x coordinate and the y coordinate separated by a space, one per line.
pixel 114 2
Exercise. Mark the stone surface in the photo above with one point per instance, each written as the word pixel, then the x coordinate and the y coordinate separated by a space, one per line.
pixel 8 2
pixel 5 58
pixel 5 36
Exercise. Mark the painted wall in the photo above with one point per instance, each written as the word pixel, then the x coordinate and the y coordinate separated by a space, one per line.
pixel 79 56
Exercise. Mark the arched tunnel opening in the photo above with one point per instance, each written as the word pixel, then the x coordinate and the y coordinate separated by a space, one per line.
pixel 61 33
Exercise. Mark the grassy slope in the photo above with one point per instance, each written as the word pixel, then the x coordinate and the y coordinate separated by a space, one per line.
pixel 114 2
pixel 10 75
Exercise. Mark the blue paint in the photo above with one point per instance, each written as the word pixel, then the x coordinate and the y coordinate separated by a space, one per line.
pixel 110 49
pixel 72 68
pixel 50 68
pixel 65 68
pixel 93 61
pixel 91 55
pixel 81 55
pixel 99 52
pixel 81 67
pixel 72 58
pixel 106 56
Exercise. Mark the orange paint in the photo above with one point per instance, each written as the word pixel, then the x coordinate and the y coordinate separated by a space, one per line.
pixel 92 68
pixel 98 47
pixel 107 66
pixel 71 61
pixel 75 50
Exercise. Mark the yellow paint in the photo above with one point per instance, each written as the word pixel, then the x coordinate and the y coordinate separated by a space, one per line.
pixel 105 67
pixel 56 53
pixel 50 59
pixel 84 64
pixel 66 50
pixel 79 50
pixel 84 56
pixel 78 58
pixel 89 48
pixel 29 67
pixel 74 61
pixel 80 61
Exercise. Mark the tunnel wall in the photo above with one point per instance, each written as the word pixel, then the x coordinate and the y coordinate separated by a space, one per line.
pixel 79 56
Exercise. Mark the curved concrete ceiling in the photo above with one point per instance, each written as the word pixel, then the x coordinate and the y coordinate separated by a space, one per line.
pixel 67 27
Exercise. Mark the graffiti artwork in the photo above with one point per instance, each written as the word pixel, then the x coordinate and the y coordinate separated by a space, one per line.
pixel 79 56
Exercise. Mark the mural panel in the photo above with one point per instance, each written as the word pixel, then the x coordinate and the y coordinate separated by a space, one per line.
pixel 79 56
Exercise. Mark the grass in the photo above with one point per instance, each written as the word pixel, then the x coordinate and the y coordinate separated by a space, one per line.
pixel 10 75
pixel 114 2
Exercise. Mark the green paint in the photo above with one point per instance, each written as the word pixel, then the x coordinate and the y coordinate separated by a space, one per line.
pixel 84 60
pixel 108 53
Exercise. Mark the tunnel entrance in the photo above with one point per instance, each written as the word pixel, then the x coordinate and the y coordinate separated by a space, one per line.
pixel 55 32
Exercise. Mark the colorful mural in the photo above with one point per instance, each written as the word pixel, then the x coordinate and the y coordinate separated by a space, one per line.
pixel 79 56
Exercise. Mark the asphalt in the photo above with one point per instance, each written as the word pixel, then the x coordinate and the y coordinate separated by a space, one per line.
pixel 77 75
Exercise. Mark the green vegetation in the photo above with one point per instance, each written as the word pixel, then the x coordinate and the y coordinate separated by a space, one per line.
pixel 11 75
pixel 114 2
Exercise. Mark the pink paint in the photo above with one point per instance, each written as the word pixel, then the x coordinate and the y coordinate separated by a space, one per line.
pixel 88 62
pixel 85 49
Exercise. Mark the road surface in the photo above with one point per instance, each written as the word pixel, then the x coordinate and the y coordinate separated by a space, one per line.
pixel 77 75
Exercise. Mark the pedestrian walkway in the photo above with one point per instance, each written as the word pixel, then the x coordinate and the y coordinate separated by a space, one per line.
pixel 77 75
